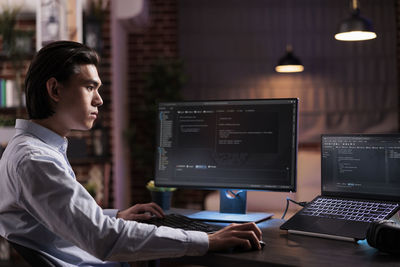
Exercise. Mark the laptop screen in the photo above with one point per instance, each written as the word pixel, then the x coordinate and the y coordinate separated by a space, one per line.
pixel 361 166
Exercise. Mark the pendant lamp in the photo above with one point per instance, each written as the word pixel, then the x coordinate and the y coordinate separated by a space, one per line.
pixel 355 28
pixel 289 62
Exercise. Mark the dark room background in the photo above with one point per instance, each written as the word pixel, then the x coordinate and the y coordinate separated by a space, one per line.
pixel 229 49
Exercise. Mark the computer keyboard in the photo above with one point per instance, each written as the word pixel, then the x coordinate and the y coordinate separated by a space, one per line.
pixel 180 221
pixel 353 210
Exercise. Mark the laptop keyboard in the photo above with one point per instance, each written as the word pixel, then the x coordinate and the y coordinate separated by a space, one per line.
pixel 183 222
pixel 353 210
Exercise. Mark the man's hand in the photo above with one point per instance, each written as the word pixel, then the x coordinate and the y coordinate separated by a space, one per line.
pixel 245 236
pixel 141 212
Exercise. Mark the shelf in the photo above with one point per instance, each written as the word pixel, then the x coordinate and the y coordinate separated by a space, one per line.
pixel 12 113
pixel 5 57
pixel 10 109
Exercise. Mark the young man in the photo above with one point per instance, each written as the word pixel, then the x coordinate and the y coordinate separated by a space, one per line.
pixel 43 207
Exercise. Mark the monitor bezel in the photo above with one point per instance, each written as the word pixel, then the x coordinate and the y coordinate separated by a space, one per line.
pixel 292 188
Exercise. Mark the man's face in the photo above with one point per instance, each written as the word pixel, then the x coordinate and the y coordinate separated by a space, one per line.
pixel 79 99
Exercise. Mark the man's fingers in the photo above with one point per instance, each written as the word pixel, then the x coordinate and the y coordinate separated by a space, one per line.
pixel 247 227
pixel 137 212
pixel 242 244
pixel 249 236
pixel 244 236
pixel 253 238
pixel 150 207
pixel 157 208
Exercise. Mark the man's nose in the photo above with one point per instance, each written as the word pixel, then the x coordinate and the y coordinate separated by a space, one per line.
pixel 97 101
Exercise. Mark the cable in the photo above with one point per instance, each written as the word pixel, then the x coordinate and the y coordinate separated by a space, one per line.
pixel 303 204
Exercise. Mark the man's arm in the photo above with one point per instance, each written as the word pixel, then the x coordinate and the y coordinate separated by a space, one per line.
pixel 61 204
pixel 244 236
pixel 110 212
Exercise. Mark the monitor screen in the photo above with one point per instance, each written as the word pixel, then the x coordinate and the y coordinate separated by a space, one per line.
pixel 235 144
pixel 361 165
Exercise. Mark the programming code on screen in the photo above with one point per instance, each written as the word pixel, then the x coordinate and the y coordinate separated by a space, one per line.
pixel 227 144
pixel 359 163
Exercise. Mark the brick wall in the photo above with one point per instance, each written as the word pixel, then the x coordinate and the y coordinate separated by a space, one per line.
pixel 105 91
pixel 158 40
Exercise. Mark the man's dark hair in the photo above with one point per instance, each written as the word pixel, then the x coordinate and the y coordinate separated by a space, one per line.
pixel 60 60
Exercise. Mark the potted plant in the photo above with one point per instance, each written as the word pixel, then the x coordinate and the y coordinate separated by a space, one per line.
pixel 8 20
pixel 160 195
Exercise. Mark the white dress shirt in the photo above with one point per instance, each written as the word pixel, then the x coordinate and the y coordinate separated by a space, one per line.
pixel 44 207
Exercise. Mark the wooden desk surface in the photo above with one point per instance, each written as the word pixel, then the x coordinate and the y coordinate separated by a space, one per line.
pixel 283 249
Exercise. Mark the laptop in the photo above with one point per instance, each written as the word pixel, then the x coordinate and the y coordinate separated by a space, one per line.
pixel 360 183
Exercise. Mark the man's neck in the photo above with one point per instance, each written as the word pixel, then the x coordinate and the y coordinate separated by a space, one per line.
pixel 51 124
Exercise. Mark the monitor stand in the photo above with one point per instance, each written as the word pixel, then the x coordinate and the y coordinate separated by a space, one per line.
pixel 232 208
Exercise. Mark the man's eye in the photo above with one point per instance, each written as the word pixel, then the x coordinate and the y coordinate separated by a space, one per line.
pixel 90 88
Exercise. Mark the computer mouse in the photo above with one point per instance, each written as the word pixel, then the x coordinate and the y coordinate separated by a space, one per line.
pixel 240 249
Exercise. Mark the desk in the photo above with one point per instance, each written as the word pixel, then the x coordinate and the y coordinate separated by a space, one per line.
pixel 285 249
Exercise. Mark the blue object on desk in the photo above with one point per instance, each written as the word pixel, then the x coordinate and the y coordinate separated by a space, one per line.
pixel 216 216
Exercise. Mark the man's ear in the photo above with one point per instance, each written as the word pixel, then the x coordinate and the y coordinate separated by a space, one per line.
pixel 52 87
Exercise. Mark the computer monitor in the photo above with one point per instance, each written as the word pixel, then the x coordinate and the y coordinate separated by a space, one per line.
pixel 228 145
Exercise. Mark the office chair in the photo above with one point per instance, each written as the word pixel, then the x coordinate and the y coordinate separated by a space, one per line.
pixel 33 257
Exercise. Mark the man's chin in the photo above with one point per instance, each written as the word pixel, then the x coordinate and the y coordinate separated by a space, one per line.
pixel 86 127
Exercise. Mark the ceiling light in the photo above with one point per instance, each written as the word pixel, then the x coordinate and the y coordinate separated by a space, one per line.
pixel 355 28
pixel 289 62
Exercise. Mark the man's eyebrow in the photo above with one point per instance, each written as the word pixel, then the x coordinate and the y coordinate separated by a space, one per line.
pixel 96 83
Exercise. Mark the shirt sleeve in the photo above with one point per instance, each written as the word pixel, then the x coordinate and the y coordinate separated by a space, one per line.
pixel 64 207
pixel 110 212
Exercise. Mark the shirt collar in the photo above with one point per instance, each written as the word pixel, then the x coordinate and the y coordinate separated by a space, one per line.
pixel 44 134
